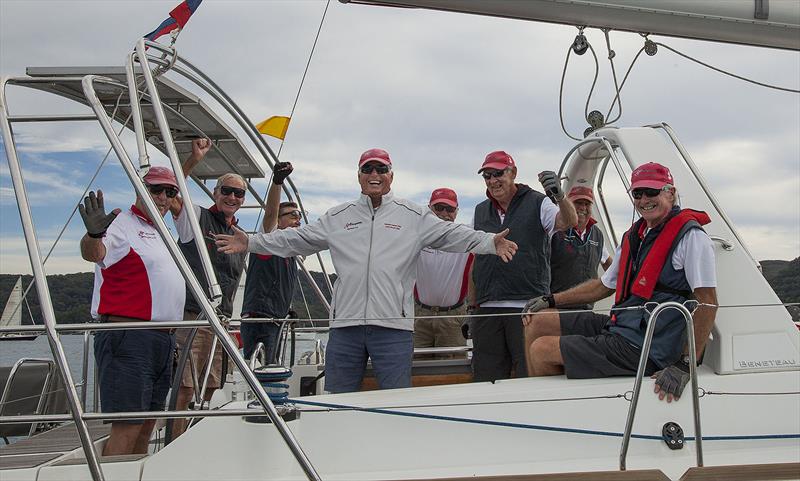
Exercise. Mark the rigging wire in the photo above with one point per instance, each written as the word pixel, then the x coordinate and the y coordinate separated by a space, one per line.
pixel 611 55
pixel 299 89
pixel 725 72
pixel 561 90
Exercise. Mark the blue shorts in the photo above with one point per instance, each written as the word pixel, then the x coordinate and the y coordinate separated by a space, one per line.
pixel 134 368
pixel 348 348
pixel 265 332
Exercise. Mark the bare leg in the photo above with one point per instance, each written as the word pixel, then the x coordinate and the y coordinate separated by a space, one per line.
pixel 122 439
pixel 543 323
pixel 143 439
pixel 545 356
pixel 182 403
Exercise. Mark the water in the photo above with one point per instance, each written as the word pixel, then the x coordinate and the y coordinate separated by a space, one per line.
pixel 39 348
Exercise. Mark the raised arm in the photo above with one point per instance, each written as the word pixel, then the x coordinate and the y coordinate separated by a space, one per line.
pixel 200 148
pixel 566 217
pixel 281 170
pixel 96 222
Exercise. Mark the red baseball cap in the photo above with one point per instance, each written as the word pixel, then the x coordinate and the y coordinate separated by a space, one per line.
pixel 377 155
pixel 651 175
pixel 159 176
pixel 497 160
pixel 443 195
pixel 581 192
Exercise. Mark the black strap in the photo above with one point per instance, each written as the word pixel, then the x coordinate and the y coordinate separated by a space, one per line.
pixel 439 309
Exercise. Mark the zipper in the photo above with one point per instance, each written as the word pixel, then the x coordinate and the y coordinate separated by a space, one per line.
pixel 369 261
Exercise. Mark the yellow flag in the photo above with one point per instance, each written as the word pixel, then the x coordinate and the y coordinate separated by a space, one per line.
pixel 275 126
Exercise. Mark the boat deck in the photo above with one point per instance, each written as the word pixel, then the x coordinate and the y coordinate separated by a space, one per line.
pixel 47 446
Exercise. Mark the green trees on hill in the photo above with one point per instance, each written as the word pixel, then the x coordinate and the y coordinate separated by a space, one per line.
pixel 72 293
pixel 72 297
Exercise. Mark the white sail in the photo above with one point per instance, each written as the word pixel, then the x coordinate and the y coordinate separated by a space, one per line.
pixel 12 312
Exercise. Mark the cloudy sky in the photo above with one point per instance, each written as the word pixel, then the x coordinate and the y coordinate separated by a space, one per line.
pixel 437 90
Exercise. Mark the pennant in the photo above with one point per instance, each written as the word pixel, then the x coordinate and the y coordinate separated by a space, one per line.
pixel 274 126
pixel 178 18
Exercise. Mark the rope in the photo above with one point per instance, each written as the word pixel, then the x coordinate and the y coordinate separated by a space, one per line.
pixel 305 72
pixel 611 55
pixel 730 74
pixel 561 90
pixel 483 403
pixel 537 427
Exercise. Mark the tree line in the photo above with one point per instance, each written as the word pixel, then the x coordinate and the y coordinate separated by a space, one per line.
pixel 72 293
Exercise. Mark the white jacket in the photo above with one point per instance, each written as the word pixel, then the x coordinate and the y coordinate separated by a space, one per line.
pixel 374 252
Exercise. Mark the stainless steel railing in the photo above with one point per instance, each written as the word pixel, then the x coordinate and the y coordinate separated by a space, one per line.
pixel 637 384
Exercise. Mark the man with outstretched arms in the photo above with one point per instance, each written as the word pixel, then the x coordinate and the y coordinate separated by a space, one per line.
pixel 271 279
pixel 665 256
pixel 375 242
pixel 501 290
pixel 577 252
pixel 229 194
pixel 135 279
pixel 441 288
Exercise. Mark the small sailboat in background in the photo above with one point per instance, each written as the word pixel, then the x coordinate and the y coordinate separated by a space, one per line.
pixel 12 314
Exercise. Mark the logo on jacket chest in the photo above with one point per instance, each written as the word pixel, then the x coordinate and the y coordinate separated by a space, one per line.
pixel 147 235
pixel 352 225
pixel 392 226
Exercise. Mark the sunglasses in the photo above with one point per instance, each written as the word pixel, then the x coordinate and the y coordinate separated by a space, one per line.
pixel 638 193
pixel 159 188
pixel 228 190
pixel 497 173
pixel 381 169
pixel 295 214
pixel 444 207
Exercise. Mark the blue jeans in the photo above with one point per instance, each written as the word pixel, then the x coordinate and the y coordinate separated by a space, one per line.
pixel 346 356
pixel 265 332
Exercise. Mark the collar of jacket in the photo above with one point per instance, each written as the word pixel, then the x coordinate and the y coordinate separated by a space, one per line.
pixel 385 198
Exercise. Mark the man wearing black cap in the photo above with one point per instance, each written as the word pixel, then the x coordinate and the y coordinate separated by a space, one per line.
pixel 375 242
pixel 501 290
pixel 665 256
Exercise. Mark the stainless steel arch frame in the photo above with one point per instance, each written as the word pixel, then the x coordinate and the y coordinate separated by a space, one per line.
pixel 42 289
pixel 197 290
pixel 637 384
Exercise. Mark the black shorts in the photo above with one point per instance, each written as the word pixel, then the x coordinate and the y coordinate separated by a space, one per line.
pixel 134 367
pixel 590 350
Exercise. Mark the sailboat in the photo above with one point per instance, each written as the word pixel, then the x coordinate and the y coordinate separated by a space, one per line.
pixel 12 314
pixel 746 397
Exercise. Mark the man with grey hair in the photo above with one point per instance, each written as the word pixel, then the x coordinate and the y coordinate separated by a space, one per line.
pixel 228 196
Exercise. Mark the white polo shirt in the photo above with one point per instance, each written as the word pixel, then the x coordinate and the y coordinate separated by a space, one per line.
pixel 137 278
pixel 442 277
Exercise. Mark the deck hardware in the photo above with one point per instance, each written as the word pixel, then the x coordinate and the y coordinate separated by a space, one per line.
pixel 650 47
pixel 580 45
pixel 672 433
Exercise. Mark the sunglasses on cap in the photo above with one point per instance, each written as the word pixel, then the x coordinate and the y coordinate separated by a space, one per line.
pixel 380 168
pixel 444 207
pixel 638 193
pixel 159 188
pixel 228 190
pixel 497 173
pixel 295 214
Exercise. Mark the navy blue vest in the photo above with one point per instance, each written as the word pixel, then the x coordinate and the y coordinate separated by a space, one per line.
pixel 528 273
pixel 670 331
pixel 574 260
pixel 228 268
pixel 270 285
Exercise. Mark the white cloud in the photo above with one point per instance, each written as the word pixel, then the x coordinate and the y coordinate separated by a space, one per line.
pixel 437 90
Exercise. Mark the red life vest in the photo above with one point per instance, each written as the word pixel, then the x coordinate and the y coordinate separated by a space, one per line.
pixel 647 276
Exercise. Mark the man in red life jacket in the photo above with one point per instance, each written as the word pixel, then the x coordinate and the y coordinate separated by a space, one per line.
pixel 665 256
